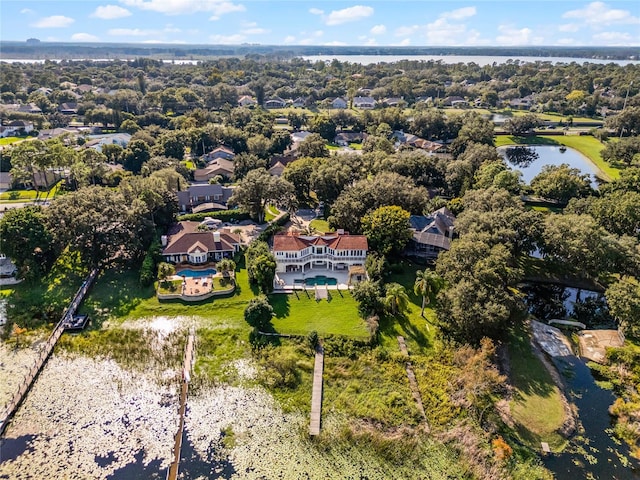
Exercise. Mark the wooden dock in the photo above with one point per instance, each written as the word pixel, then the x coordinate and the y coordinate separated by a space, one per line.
pixel 316 395
pixel 10 408
pixel 413 383
pixel 189 358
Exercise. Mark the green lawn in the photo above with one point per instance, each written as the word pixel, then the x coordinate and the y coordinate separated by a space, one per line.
pixel 587 145
pixel 270 212
pixel 355 146
pixel 418 332
pixel 320 225
pixel 20 195
pixel 10 140
pixel 536 406
pixel 301 314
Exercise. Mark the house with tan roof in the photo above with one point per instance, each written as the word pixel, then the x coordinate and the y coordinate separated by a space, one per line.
pixel 186 243
pixel 218 166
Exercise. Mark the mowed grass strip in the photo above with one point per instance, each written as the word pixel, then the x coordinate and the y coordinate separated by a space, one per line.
pixel 301 314
pixel 537 406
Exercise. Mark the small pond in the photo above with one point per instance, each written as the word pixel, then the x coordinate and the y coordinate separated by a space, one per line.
pixel 550 155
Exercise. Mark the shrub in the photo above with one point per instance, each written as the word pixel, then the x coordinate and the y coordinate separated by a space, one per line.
pixel 148 268
pixel 259 312
pixel 312 339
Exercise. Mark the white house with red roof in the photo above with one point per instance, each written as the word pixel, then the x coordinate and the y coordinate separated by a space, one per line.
pixel 331 252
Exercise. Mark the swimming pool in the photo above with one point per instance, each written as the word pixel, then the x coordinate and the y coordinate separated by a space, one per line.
pixel 320 280
pixel 197 273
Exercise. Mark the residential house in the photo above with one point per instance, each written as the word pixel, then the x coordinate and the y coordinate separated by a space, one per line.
pixel 55 132
pixel 454 101
pixel 219 166
pixel 394 102
pixel 84 88
pixel 277 169
pixel 524 103
pixel 21 108
pixel 68 108
pixel 247 101
pixel 432 234
pixel 7 267
pixel 275 102
pixel 16 129
pixel 204 197
pixel 364 103
pixel 219 152
pixel 345 138
pixel 98 141
pixel 299 136
pixel 185 243
pixel 339 103
pixel 333 251
pixel 299 102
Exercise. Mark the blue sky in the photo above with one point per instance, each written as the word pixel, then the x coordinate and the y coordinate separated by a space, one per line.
pixel 319 22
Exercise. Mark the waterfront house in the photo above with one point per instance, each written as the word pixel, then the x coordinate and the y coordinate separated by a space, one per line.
pixel 332 251
pixel 432 234
pixel 186 243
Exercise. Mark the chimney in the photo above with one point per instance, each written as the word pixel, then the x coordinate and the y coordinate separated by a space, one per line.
pixel 163 240
pixel 216 237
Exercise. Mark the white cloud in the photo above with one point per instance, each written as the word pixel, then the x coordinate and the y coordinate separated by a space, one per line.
pixel 615 38
pixel 378 30
pixel 255 31
pixel 335 43
pixel 169 28
pixel 448 28
pixel 26 11
pixel 83 37
pixel 566 41
pixel 130 32
pixel 371 42
pixel 460 13
pixel 227 39
pixel 598 14
pixel 289 39
pixel 181 42
pixel 403 43
pixel 186 7
pixel 568 27
pixel 318 33
pixel 110 12
pixel 350 14
pixel 55 21
pixel 407 30
pixel 316 11
pixel 513 36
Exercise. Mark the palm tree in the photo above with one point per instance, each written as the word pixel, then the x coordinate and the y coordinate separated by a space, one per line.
pixel 427 283
pixel 396 298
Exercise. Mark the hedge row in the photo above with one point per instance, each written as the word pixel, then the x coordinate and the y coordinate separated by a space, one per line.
pixel 224 215
pixel 273 228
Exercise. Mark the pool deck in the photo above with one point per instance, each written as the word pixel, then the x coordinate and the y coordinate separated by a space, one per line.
pixel 287 281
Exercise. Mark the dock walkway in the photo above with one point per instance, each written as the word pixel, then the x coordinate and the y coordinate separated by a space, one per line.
pixel 413 383
pixel 10 408
pixel 316 395
pixel 189 358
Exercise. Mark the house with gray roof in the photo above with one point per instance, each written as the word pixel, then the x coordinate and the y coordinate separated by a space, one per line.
pixel 204 197
pixel 432 234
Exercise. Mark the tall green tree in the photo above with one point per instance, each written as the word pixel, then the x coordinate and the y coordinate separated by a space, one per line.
pixel 387 229
pixel 258 189
pixel 428 283
pixel 26 239
pixel 396 298
pixel 94 221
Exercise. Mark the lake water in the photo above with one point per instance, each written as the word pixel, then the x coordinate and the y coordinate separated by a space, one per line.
pixel 552 155
pixel 481 60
